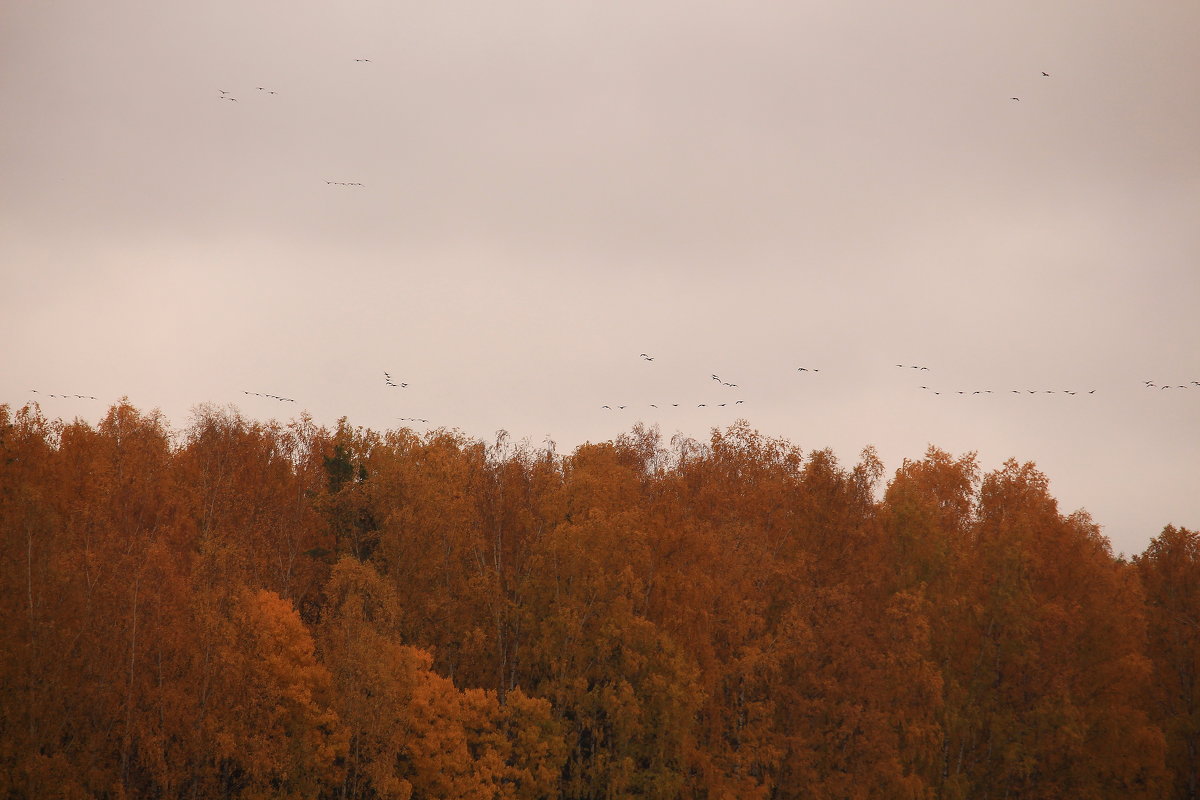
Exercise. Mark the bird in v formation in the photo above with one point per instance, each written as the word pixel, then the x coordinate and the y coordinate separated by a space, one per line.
pixel 270 396
pixel 63 396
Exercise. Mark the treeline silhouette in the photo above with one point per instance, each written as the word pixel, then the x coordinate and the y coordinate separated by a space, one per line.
pixel 268 610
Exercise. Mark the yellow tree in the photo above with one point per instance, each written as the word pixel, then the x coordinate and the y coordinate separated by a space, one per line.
pixel 412 733
pixel 1055 673
pixel 626 692
pixel 268 714
pixel 1170 572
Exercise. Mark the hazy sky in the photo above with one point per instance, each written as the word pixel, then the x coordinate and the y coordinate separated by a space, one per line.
pixel 551 188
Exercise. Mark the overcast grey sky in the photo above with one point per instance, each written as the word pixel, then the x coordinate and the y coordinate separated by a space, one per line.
pixel 551 188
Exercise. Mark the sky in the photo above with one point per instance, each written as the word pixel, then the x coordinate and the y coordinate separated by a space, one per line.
pixel 544 191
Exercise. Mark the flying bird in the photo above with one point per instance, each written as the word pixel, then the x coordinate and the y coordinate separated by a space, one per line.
pixel 1045 74
pixel 1014 98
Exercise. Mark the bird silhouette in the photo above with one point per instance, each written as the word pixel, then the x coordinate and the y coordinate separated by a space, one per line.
pixel 1014 98
pixel 1045 74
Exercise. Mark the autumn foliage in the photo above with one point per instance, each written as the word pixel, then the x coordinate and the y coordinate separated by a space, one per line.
pixel 265 610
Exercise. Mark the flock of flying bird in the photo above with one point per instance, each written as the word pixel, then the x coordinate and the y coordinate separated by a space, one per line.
pixel 919 367
pixel 271 396
pixel 68 396
pixel 391 383
pixel 225 94
pixel 387 380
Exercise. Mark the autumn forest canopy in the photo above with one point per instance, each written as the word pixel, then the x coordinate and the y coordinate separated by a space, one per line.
pixel 242 609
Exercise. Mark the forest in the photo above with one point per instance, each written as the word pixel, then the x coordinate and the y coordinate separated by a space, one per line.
pixel 246 609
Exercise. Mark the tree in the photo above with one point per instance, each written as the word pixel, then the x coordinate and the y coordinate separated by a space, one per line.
pixel 1169 570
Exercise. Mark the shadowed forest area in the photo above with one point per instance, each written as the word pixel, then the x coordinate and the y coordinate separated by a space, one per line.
pixel 278 610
